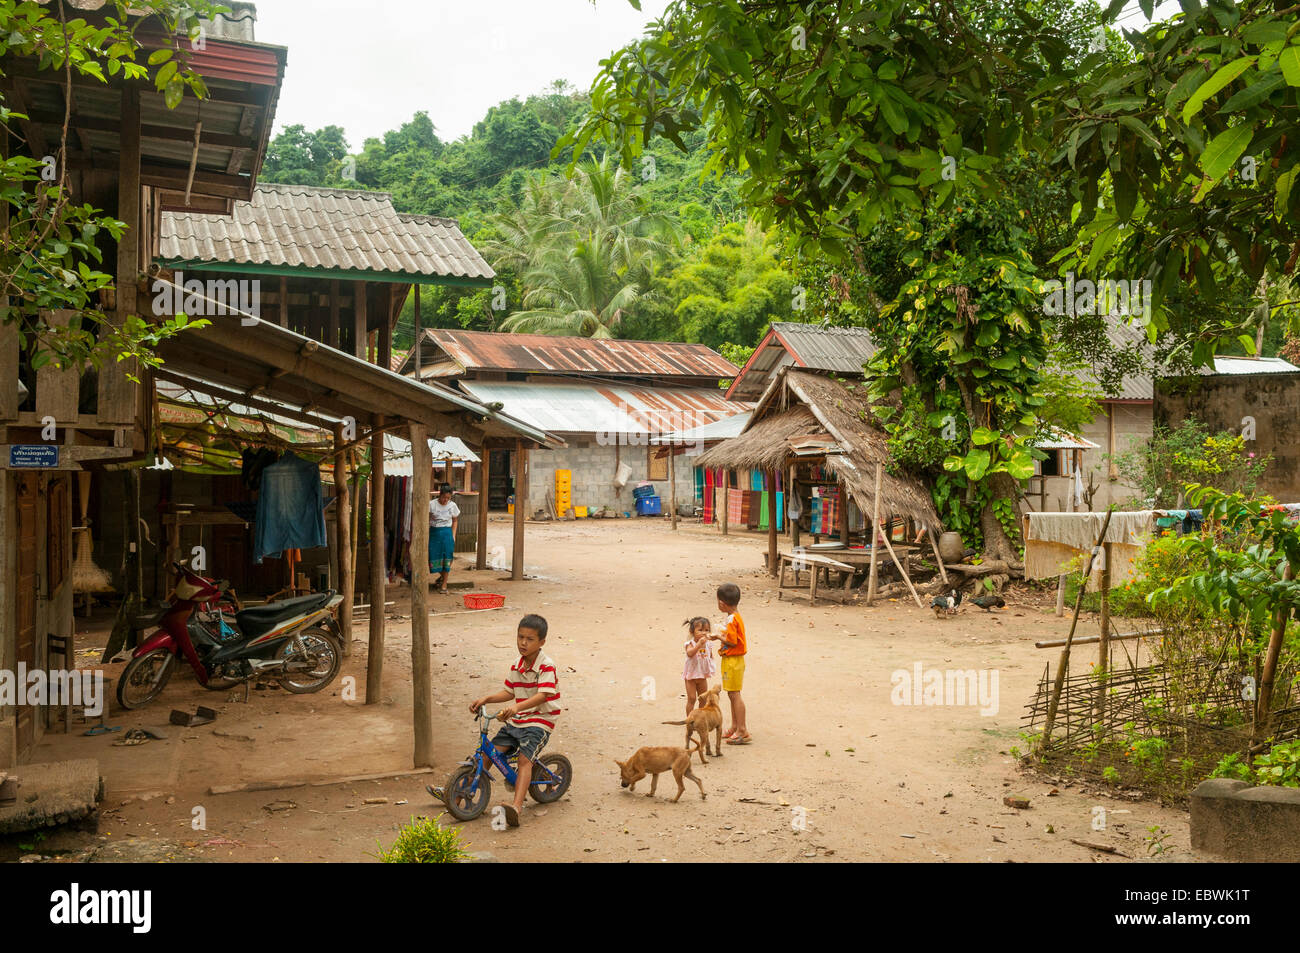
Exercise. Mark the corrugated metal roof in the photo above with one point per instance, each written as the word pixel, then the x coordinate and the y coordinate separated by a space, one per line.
pixel 723 429
pixel 595 408
pixel 809 346
pixel 397 453
pixel 300 226
pixel 817 348
pixel 1058 439
pixel 608 357
pixel 1249 365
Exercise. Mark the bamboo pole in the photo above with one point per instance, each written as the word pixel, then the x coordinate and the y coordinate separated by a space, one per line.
pixel 875 535
pixel 1055 700
pixel 902 571
pixel 934 545
pixel 1263 701
pixel 421 665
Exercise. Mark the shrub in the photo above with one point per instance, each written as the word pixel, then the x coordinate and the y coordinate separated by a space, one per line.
pixel 424 842
pixel 1281 765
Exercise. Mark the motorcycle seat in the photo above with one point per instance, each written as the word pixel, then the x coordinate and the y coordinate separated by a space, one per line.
pixel 262 619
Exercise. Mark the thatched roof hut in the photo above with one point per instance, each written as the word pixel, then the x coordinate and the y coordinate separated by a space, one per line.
pixel 804 415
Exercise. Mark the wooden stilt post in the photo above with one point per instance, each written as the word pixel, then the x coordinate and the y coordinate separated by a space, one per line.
pixel 378 575
pixel 419 333
pixel 726 499
pixel 872 573
pixel 792 495
pixel 480 557
pixel 672 483
pixel 421 664
pixel 521 507
pixel 343 538
pixel 773 559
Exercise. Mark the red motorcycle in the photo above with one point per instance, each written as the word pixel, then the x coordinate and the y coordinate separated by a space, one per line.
pixel 297 642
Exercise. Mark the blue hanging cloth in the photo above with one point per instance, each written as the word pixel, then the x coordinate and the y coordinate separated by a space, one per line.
pixel 290 508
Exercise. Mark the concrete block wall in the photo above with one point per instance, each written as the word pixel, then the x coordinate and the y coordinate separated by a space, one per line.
pixel 1133 423
pixel 1238 822
pixel 593 467
pixel 1225 403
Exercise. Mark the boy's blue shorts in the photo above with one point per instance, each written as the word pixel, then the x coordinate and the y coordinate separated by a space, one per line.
pixel 529 740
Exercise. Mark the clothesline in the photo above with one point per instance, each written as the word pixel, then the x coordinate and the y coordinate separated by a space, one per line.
pixel 1054 542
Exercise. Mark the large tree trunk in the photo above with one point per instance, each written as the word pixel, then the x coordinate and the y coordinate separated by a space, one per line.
pixel 997 544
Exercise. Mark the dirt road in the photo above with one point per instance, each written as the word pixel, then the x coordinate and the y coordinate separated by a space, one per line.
pixel 837 771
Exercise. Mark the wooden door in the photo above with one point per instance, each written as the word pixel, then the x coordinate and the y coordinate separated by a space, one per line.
pixel 28 496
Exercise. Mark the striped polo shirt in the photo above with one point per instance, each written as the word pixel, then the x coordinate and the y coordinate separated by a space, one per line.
pixel 527 682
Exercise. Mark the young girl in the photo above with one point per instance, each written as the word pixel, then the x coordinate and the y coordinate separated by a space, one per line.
pixel 700 664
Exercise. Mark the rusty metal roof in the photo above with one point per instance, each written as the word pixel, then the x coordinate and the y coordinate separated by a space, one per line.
pixel 571 356
pixel 613 409
pixel 303 228
pixel 243 80
pixel 810 346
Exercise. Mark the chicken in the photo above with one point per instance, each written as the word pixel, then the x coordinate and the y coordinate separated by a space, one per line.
pixel 948 603
pixel 989 601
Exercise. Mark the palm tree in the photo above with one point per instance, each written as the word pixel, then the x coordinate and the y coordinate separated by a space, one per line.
pixel 585 249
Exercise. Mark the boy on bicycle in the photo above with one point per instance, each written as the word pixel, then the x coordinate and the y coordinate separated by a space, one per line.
pixel 533 688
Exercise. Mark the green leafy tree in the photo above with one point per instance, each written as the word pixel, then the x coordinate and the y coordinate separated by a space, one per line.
pixel 585 250
pixel 50 257
pixel 1184 160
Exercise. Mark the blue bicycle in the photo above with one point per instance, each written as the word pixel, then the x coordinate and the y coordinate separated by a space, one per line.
pixel 469 789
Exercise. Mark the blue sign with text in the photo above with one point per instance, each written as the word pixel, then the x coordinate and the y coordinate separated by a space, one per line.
pixel 34 456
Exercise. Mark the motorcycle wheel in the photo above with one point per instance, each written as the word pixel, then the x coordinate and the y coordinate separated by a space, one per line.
pixel 324 650
pixel 461 803
pixel 144 678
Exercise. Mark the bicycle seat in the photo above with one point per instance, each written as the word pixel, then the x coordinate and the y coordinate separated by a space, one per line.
pixel 262 619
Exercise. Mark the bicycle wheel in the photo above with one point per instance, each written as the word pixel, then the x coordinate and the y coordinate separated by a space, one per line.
pixel 551 791
pixel 463 803
pixel 144 678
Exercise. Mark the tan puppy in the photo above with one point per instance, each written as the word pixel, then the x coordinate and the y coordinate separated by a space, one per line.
pixel 707 717
pixel 654 761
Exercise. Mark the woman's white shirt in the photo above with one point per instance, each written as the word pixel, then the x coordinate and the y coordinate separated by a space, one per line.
pixel 441 514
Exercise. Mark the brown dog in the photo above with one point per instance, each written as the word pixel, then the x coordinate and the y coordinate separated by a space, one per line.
pixel 654 761
pixel 707 717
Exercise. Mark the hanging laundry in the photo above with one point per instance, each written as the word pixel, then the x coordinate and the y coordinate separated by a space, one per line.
pixel 253 461
pixel 1055 540
pixel 290 508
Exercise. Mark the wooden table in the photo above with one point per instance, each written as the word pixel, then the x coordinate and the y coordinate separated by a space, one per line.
pixel 815 564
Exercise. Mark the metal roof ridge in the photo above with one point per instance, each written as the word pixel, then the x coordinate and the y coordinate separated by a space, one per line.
pixel 284 187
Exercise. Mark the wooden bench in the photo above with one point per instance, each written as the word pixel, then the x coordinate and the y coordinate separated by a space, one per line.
pixel 815 564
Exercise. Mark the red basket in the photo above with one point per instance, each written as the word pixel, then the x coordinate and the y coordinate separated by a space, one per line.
pixel 484 600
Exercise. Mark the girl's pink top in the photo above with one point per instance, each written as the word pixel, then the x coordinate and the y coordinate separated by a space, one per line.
pixel 702 664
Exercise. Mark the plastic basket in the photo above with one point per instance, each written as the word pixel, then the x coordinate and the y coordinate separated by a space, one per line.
pixel 484 600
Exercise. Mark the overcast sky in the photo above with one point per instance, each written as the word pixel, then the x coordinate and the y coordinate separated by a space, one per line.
pixel 369 65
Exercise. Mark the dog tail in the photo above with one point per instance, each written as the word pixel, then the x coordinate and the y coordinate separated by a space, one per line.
pixel 672 722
